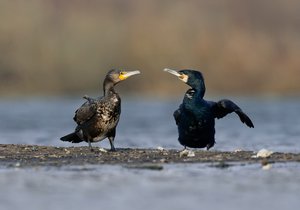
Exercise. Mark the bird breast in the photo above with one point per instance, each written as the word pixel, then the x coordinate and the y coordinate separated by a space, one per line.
pixel 108 112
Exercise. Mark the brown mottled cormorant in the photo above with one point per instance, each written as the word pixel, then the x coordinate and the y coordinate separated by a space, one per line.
pixel 195 117
pixel 98 118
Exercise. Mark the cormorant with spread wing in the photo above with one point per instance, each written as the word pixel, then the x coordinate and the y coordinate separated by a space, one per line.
pixel 98 118
pixel 195 117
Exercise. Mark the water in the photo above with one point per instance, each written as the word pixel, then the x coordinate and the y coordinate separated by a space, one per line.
pixel 150 124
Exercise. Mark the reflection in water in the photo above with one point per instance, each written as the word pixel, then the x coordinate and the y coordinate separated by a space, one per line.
pixel 176 187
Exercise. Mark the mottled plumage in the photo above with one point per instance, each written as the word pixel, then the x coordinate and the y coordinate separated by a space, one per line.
pixel 98 118
pixel 195 117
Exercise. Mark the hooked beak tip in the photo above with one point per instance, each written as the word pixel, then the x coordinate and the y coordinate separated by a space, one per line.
pixel 171 71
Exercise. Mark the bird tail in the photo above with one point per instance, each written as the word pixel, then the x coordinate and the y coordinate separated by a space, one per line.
pixel 72 137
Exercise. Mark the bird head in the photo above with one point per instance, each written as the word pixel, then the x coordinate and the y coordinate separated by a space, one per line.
pixel 116 75
pixel 190 77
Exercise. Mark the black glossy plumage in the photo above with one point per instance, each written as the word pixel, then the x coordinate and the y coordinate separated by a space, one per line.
pixel 195 117
pixel 98 118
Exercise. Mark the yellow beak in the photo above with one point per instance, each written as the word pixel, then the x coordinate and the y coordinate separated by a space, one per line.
pixel 124 75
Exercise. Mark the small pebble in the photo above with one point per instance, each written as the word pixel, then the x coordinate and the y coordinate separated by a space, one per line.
pixel 238 150
pixel 160 149
pixel 191 154
pixel 187 153
pixel 102 150
pixel 67 151
pixel 263 153
pixel 183 153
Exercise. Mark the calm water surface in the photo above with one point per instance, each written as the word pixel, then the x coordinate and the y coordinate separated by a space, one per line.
pixel 146 124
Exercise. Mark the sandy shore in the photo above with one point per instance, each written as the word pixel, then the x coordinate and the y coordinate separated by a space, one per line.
pixel 32 156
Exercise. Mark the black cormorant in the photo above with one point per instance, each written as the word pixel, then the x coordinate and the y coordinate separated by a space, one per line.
pixel 195 117
pixel 98 118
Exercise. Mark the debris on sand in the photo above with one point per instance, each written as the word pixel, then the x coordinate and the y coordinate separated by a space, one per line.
pixel 263 153
pixel 12 155
pixel 160 149
pixel 186 153
pixel 102 150
pixel 67 151
pixel 238 150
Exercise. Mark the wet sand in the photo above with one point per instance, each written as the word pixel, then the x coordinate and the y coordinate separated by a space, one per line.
pixel 31 156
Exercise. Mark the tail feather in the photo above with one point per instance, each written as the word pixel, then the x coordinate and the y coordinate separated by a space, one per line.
pixel 72 137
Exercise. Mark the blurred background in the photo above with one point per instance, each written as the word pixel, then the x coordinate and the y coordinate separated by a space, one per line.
pixel 54 51
pixel 247 50
pixel 61 47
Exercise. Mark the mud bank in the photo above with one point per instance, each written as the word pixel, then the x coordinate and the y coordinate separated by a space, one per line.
pixel 32 156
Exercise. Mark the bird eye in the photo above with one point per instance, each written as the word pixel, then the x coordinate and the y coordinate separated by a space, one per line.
pixel 122 75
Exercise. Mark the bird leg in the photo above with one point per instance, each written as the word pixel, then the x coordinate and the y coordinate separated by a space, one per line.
pixel 111 141
pixel 208 146
pixel 90 146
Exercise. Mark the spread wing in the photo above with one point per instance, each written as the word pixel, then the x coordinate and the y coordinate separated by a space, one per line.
pixel 85 112
pixel 224 107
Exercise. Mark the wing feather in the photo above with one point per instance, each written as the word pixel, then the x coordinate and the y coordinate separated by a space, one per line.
pixel 85 112
pixel 176 115
pixel 224 107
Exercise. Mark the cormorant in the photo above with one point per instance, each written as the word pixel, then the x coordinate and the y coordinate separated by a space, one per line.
pixel 98 118
pixel 195 117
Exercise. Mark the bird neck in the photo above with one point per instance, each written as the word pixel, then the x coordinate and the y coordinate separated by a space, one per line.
pixel 108 87
pixel 193 98
pixel 201 92
pixel 199 88
pixel 197 85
